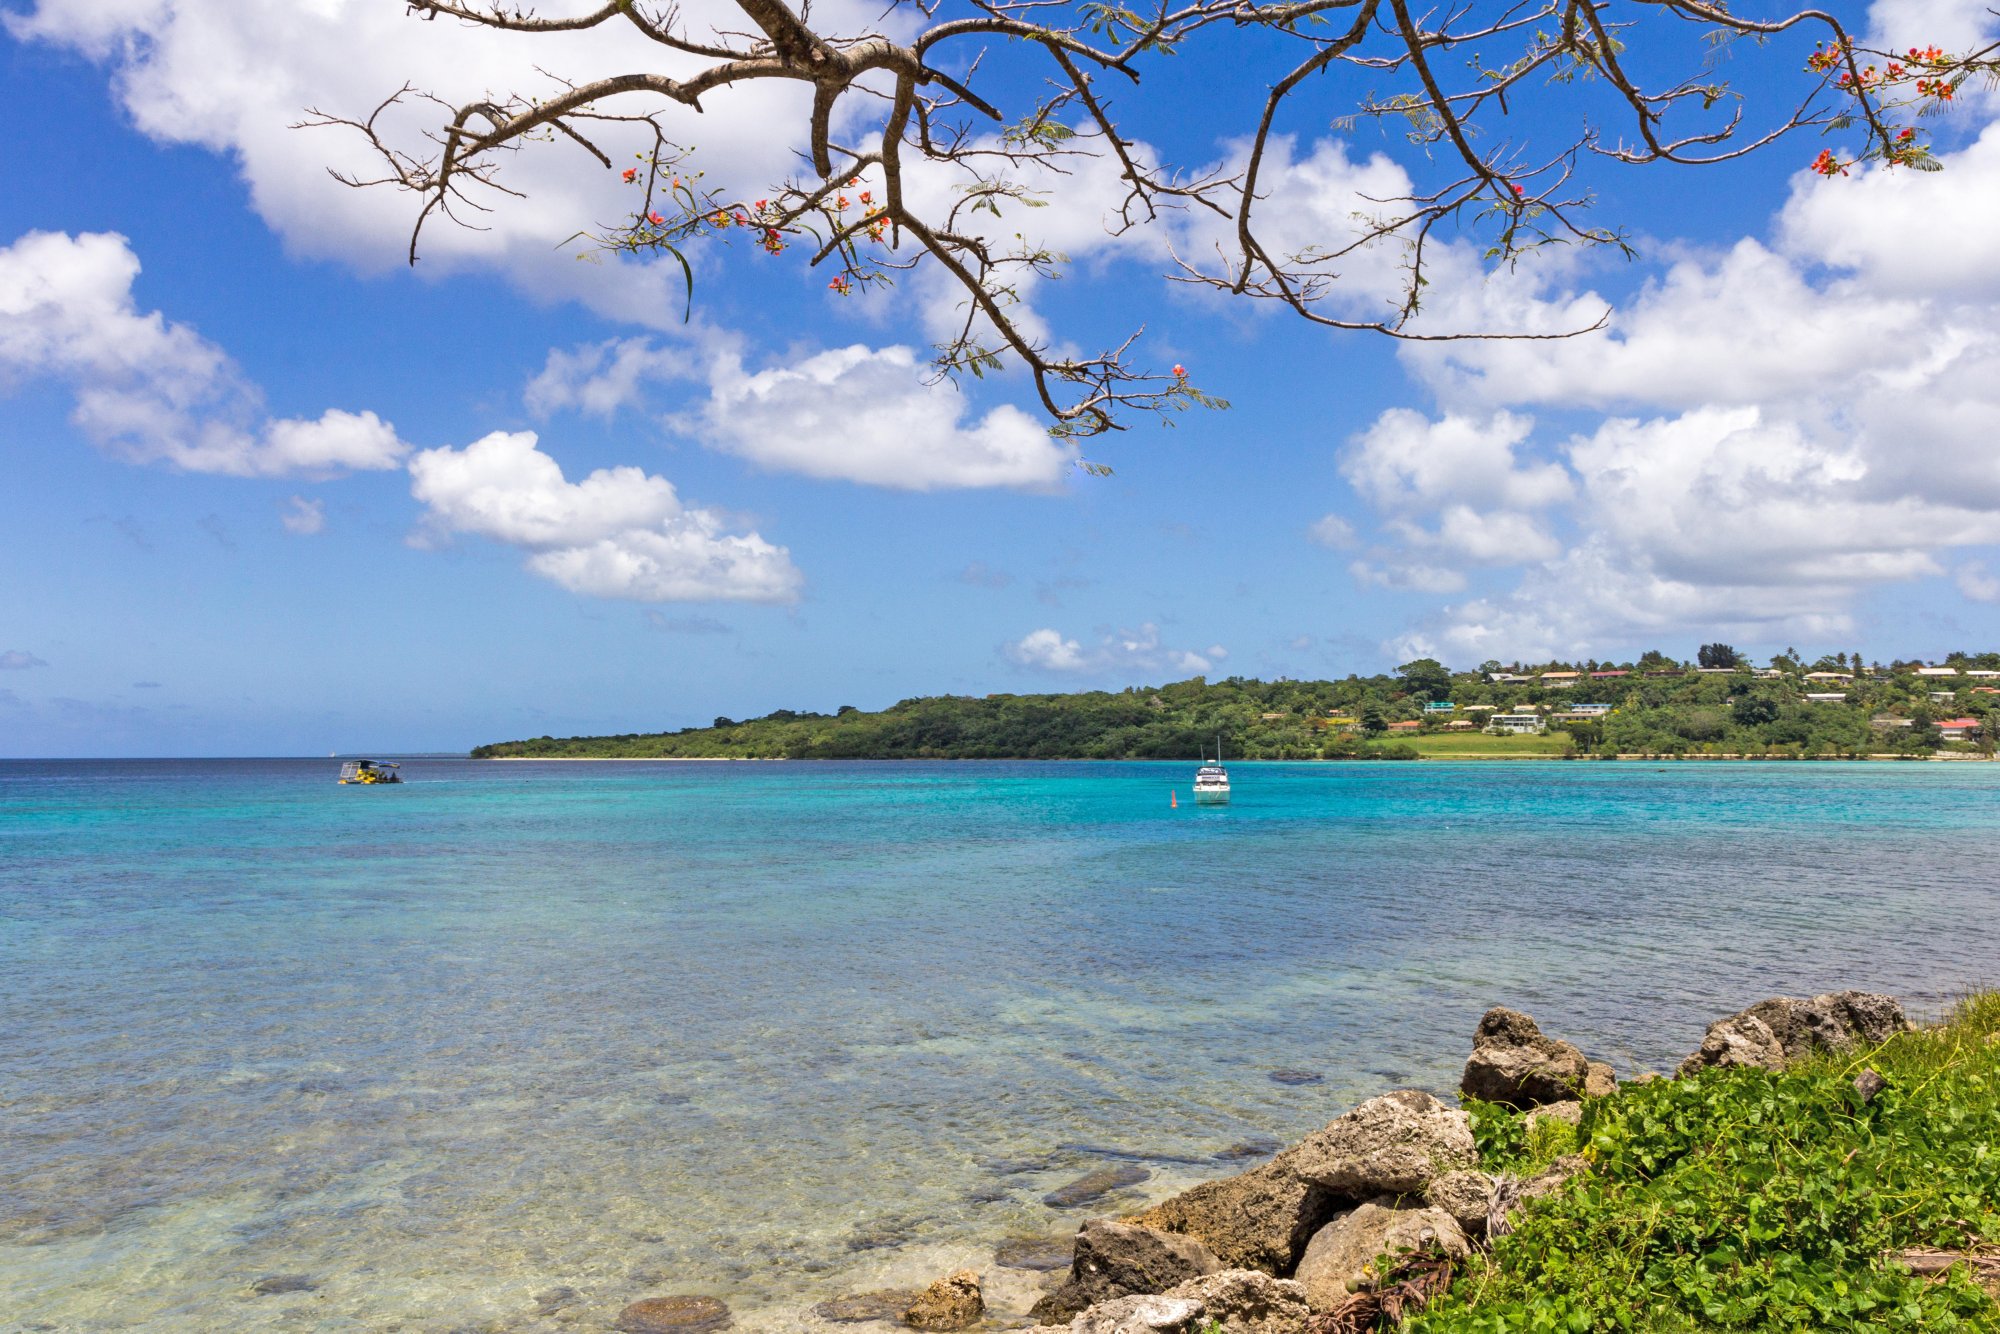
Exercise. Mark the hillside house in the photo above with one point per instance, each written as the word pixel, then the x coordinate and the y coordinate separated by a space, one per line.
pixel 1517 723
pixel 1958 729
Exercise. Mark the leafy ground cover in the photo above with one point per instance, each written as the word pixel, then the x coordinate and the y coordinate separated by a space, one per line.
pixel 1745 1200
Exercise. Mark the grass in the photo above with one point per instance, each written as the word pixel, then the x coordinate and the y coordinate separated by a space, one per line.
pixel 1477 745
pixel 1745 1200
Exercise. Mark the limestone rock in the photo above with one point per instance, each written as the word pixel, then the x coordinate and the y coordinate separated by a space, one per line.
pixel 1260 1219
pixel 1773 1032
pixel 1599 1080
pixel 1570 1112
pixel 1144 1314
pixel 1513 1063
pixel 953 1302
pixel 1341 1252
pixel 1247 1301
pixel 1552 1178
pixel 1393 1145
pixel 1467 1196
pixel 1119 1260
pixel 673 1315
pixel 1095 1186
pixel 271 1285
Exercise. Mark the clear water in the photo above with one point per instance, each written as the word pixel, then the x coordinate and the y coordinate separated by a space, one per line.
pixel 778 1032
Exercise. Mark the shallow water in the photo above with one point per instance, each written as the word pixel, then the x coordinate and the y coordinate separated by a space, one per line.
pixel 778 1032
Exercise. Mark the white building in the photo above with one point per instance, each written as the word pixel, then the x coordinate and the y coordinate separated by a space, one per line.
pixel 1518 723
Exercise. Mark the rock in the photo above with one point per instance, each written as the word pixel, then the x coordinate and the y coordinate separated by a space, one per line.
pixel 673 1315
pixel 1248 1148
pixel 1297 1077
pixel 1342 1252
pixel 953 1302
pixel 554 1299
pixel 1393 1145
pixel 1033 1253
pixel 1467 1196
pixel 273 1284
pixel 1773 1032
pixel 1247 1301
pixel 1120 1260
pixel 886 1304
pixel 1648 1077
pixel 1260 1219
pixel 1138 1315
pixel 1570 1113
pixel 1868 1084
pixel 1557 1174
pixel 1599 1080
pixel 1513 1063
pixel 1095 1186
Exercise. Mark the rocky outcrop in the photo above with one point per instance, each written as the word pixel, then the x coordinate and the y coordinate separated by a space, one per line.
pixel 1118 1260
pixel 1095 1186
pixel 1247 1301
pixel 1599 1080
pixel 1394 1145
pixel 1467 1196
pixel 953 1302
pixel 1341 1253
pixel 673 1315
pixel 1772 1033
pixel 1513 1063
pixel 1260 1219
pixel 1569 1113
pixel 1136 1315
pixel 1043 1253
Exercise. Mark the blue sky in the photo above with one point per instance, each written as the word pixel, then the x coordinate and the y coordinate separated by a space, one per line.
pixel 271 491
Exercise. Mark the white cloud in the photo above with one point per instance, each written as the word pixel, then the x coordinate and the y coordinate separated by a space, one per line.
pixel 304 517
pixel 1786 425
pixel 1116 652
pixel 150 390
pixel 1333 532
pixel 598 379
pixel 618 533
pixel 864 415
pixel 19 660
pixel 234 78
pixel 1977 582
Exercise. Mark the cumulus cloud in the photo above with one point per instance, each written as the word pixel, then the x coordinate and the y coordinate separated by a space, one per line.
pixel 234 78
pixel 865 415
pixel 1115 652
pixel 1779 426
pixel 599 379
pixel 1333 532
pixel 303 517
pixel 1977 582
pixel 618 533
pixel 19 660
pixel 150 390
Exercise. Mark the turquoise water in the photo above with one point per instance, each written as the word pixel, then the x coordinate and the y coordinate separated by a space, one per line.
pixel 782 1031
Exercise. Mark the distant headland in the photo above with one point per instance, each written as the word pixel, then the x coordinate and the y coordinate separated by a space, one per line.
pixel 1719 706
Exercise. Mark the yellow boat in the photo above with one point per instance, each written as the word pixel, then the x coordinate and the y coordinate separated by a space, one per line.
pixel 368 771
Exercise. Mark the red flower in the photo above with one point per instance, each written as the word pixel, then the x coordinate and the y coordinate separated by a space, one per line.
pixel 656 220
pixel 1518 191
pixel 631 175
pixel 1180 371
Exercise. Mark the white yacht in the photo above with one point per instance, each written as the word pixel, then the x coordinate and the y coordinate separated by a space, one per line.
pixel 1211 781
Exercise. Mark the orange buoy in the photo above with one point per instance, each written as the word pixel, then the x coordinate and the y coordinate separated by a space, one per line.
pixel 1174 799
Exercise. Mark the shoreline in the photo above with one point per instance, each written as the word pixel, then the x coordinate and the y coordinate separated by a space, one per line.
pixel 1078 759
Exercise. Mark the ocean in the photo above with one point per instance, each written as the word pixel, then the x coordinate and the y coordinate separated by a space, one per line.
pixel 512 1044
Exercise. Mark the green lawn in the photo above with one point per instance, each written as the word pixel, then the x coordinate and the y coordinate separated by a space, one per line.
pixel 1478 745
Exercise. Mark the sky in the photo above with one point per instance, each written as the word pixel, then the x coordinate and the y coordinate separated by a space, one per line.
pixel 271 490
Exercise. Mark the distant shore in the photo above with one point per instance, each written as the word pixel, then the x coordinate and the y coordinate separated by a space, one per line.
pixel 1092 759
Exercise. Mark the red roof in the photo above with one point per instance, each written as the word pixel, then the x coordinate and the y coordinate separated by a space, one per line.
pixel 1958 722
pixel 1404 727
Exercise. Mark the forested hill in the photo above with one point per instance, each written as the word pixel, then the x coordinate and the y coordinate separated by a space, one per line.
pixel 1656 707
